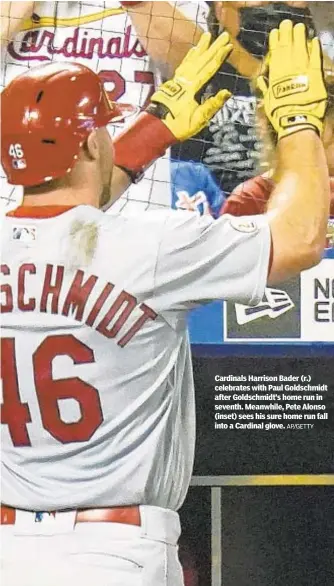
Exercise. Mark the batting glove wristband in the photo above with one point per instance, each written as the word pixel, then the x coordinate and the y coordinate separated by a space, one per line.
pixel 294 92
pixel 174 114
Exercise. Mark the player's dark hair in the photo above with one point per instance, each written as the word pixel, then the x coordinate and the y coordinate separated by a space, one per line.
pixel 330 106
pixel 46 187
pixel 212 21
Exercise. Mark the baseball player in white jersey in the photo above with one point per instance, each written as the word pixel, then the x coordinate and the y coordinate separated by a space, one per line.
pixel 102 35
pixel 98 412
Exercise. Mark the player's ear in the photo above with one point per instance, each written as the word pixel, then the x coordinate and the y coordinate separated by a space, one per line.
pixel 91 146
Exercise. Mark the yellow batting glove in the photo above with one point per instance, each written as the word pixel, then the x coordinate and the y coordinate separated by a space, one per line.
pixel 175 100
pixel 294 93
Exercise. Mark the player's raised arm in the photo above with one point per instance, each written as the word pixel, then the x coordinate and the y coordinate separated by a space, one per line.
pixel 295 100
pixel 164 31
pixel 12 16
pixel 174 114
pixel 201 259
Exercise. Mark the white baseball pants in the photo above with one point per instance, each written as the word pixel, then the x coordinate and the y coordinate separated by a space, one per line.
pixel 56 552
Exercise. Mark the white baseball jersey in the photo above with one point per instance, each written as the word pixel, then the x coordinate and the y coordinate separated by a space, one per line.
pixel 101 36
pixel 98 397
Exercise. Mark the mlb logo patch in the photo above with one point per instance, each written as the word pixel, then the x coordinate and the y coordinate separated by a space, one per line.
pixel 24 233
pixel 42 515
pixel 19 164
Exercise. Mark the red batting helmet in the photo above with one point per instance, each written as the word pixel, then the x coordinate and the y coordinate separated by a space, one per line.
pixel 46 115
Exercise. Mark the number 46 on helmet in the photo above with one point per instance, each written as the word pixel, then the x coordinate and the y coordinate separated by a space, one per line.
pixel 47 114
